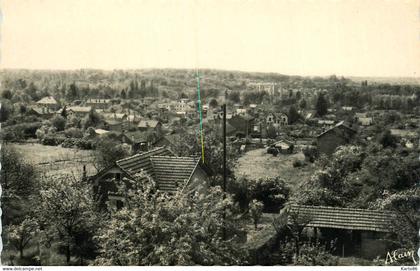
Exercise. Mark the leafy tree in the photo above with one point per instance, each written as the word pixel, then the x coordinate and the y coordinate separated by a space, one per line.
pixel 93 119
pixel 292 223
pixel 328 186
pixel 64 112
pixel 6 111
pixel 183 95
pixel 272 192
pixel 108 151
pixel 7 94
pixel 255 209
pixel 59 122
pixel 387 139
pixel 293 115
pixel 302 104
pixel 321 106
pixel 234 96
pixel 67 210
pixel 271 132
pixel 123 94
pixel 405 204
pixel 20 235
pixel 72 93
pixel 19 185
pixel 213 103
pixel 184 229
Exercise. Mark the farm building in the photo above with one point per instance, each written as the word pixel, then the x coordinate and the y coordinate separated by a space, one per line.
pixel 48 102
pixel 336 136
pixel 169 172
pixel 359 232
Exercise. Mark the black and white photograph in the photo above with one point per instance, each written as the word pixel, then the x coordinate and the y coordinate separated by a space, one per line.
pixel 206 133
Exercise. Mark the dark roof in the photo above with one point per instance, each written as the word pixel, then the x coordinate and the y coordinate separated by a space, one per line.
pixel 345 218
pixel 341 126
pixel 171 172
pixel 141 162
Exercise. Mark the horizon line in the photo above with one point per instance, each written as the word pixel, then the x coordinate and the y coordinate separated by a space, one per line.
pixel 212 69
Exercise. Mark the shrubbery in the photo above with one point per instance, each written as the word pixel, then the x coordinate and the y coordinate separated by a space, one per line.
pixel 311 153
pixel 52 140
pixel 78 143
pixel 272 192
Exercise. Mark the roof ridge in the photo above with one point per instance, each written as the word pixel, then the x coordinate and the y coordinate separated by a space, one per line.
pixel 175 157
pixel 340 208
pixel 140 154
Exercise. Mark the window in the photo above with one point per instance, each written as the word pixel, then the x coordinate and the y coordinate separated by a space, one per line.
pixel 118 176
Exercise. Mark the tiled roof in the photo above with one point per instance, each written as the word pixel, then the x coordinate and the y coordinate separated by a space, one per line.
pixel 141 162
pixel 171 172
pixel 345 218
pixel 168 171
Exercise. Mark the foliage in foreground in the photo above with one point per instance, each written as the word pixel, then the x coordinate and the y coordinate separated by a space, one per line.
pixel 184 229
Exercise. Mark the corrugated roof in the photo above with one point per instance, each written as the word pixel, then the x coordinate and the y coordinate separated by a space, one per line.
pixel 345 218
pixel 172 172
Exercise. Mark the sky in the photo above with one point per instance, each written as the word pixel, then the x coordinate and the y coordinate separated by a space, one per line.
pixel 307 37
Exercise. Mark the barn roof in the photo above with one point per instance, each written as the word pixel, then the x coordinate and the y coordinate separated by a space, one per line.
pixel 339 125
pixel 171 172
pixel 141 162
pixel 167 170
pixel 345 218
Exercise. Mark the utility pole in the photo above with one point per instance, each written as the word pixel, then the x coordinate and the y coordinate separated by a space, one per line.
pixel 224 147
pixel 224 166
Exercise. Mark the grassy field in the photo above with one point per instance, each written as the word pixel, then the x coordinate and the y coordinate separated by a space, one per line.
pixel 52 160
pixel 258 163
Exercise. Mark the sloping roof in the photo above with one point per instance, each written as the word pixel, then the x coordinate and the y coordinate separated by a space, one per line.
pixel 148 123
pixel 41 110
pixel 345 218
pixel 172 172
pixel 47 100
pixel 79 109
pixel 141 162
pixel 337 126
pixel 101 131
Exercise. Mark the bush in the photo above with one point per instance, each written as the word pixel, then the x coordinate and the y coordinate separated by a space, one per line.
pixel 73 133
pixel 298 163
pixel 20 131
pixel 311 153
pixel 316 254
pixel 255 210
pixel 58 122
pixel 272 192
pixel 51 140
pixel 79 143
